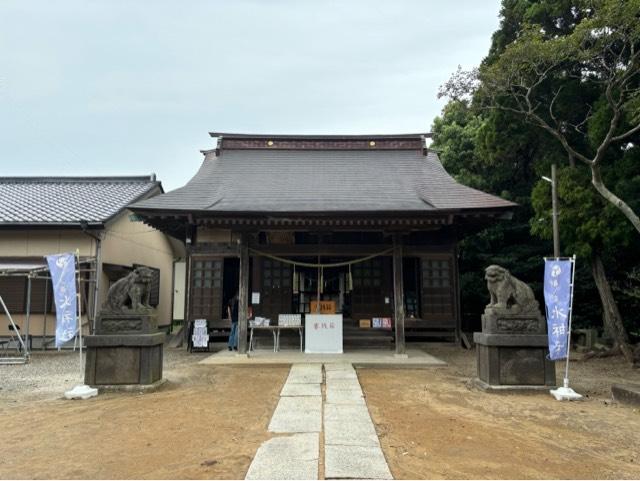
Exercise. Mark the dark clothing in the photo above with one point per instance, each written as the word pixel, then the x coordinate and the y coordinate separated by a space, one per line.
pixel 234 309
pixel 233 336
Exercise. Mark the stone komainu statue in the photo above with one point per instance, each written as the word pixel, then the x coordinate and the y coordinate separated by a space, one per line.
pixel 131 293
pixel 509 294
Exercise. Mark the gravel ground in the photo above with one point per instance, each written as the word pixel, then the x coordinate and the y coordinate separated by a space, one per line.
pixel 50 373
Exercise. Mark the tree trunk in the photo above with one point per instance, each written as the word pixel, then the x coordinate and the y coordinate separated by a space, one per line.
pixel 596 180
pixel 611 314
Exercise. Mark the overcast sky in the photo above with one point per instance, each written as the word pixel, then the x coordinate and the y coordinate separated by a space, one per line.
pixel 134 87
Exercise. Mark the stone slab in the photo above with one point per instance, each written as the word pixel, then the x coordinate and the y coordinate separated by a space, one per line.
pixel 359 358
pixel 137 388
pixel 488 339
pixel 347 413
pixel 343 384
pixel 305 374
pixel 626 393
pixel 338 367
pixel 287 457
pixel 354 433
pixel 302 389
pixel 115 340
pixel 355 462
pixel 507 388
pixel 301 414
pixel 341 375
pixel 344 397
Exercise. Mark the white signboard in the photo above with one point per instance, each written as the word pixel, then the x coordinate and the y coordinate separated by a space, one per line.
pixel 323 333
pixel 200 337
pixel 255 298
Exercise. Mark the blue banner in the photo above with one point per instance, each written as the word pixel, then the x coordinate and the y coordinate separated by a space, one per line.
pixel 63 278
pixel 557 299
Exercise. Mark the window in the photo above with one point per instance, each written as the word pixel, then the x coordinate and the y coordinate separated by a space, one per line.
pixel 14 293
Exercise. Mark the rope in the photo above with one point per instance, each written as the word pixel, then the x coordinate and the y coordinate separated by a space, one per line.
pixel 318 264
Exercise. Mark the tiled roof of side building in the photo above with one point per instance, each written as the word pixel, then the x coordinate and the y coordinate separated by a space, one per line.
pixel 69 200
pixel 290 180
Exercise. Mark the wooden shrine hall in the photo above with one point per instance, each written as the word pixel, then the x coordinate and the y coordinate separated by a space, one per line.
pixel 367 224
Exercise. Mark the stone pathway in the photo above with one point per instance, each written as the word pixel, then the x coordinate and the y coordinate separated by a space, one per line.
pixel 351 446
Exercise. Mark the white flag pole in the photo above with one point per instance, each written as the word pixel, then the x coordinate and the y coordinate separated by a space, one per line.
pixel 81 391
pixel 79 301
pixel 565 393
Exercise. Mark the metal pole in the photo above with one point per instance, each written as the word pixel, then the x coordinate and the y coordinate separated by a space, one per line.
pixel 15 329
pixel 554 204
pixel 566 369
pixel 96 287
pixel 79 300
pixel 28 315
pixel 44 321
pixel 318 288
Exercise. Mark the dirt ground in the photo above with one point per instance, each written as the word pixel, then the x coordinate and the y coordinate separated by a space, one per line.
pixel 204 423
pixel 208 422
pixel 432 425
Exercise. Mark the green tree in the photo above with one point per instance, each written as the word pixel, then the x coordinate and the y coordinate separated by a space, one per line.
pixel 461 136
pixel 564 53
pixel 539 75
pixel 593 229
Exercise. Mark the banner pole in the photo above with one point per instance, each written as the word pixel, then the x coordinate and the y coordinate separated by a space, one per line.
pixel 573 276
pixel 79 300
pixel 565 393
pixel 81 391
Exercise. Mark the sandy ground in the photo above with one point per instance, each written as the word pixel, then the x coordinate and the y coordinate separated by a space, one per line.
pixel 432 425
pixel 204 423
pixel 207 422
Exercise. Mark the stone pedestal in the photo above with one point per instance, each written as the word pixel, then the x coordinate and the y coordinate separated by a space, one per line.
pixel 126 349
pixel 513 362
pixel 512 352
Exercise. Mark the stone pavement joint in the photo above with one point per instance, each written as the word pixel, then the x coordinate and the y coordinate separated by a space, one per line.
pixel 351 445
pixel 301 455
pixel 291 389
pixel 297 414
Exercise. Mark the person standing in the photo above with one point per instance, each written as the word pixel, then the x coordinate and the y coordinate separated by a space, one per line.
pixel 232 311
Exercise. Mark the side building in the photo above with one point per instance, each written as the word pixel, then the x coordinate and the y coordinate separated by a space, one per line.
pixel 369 223
pixel 49 215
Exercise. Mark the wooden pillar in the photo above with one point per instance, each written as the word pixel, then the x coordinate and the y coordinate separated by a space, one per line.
pixel 243 294
pixel 398 294
pixel 190 232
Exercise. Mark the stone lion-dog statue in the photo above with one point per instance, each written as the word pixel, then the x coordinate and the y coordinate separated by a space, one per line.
pixel 509 293
pixel 131 293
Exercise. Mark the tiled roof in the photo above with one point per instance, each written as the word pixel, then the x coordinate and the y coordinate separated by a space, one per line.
pixel 68 200
pixel 322 180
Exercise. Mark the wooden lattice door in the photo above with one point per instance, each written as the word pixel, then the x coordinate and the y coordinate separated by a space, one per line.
pixel 370 288
pixel 438 290
pixel 206 288
pixel 277 292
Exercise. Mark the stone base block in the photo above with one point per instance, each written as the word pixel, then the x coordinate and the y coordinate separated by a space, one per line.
pixel 126 323
pixel 478 383
pixel 513 362
pixel 626 393
pixel 124 359
pixel 137 388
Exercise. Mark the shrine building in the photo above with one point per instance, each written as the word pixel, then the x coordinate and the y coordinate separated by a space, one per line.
pixel 368 224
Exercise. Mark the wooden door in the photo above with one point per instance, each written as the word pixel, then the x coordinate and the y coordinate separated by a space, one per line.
pixel 438 290
pixel 206 288
pixel 371 288
pixel 277 292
